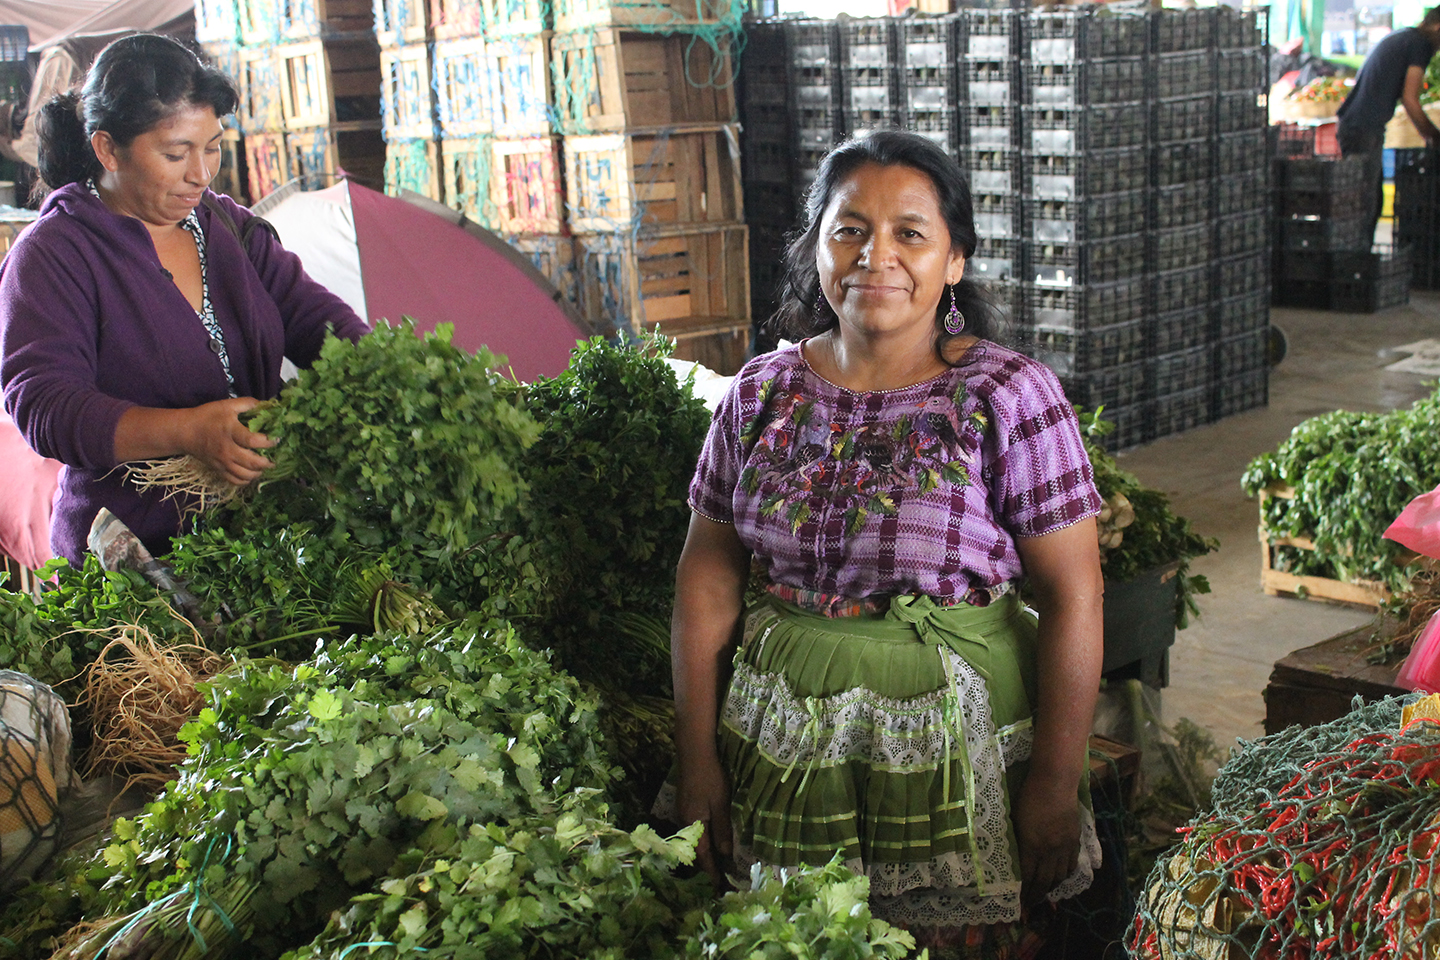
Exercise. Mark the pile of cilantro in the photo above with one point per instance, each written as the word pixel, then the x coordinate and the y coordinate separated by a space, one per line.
pixel 447 607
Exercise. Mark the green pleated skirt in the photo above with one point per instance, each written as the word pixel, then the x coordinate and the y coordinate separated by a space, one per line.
pixel 896 739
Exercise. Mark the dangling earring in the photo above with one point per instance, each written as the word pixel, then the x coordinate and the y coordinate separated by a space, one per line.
pixel 819 303
pixel 954 319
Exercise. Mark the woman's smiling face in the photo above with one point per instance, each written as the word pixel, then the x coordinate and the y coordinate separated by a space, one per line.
pixel 884 252
pixel 162 174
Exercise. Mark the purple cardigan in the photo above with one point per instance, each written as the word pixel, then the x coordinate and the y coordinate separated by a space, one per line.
pixel 90 326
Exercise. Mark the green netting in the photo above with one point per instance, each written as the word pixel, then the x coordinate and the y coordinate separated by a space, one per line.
pixel 34 774
pixel 1321 842
pixel 409 166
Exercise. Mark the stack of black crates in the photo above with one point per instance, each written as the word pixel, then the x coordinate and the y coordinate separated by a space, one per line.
pixel 1324 253
pixel 1119 167
pixel 1417 214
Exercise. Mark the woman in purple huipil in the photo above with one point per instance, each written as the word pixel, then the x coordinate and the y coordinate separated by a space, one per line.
pixel 133 323
pixel 891 479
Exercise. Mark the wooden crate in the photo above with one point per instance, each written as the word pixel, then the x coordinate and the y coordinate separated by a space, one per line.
pixel 413 165
pixel 407 97
pixel 519 69
pixel 267 164
pixel 554 256
pixel 230 179
pixel 525 186
pixel 465 178
pixel 671 14
pixel 676 179
pixel 258 21
pixel 217 21
pixel 260 102
pixel 328 153
pixel 462 84
pixel 224 57
pixel 718 344
pixel 456 19
pixel 514 18
pixel 1364 593
pixel 305 19
pixel 1316 684
pixel 614 80
pixel 328 82
pixel 695 285
pixel 399 22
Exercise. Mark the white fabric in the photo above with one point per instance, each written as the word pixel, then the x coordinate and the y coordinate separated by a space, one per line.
pixel 89 20
pixel 48 18
pixel 319 228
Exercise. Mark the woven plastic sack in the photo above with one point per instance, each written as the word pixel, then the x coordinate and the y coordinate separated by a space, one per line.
pixel 1418 526
pixel 35 773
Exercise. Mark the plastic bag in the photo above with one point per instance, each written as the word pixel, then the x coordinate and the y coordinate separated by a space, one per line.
pixel 1421 669
pixel 1418 526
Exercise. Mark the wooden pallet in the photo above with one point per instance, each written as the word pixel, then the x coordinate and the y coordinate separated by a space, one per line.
pixel 1316 684
pixel 230 179
pixel 259 110
pixel 673 15
pixel 695 285
pixel 525 185
pixel 225 57
pixel 217 21
pixel 328 82
pixel 465 178
pixel 609 81
pixel 671 179
pixel 328 153
pixel 399 22
pixel 462 83
pixel 519 69
pixel 267 164
pixel 1363 593
pixel 456 19
pixel 407 97
pixel 413 165
pixel 514 18
pixel 305 19
pixel 554 256
pixel 258 21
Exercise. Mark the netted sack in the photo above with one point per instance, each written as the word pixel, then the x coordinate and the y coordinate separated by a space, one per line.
pixel 34 773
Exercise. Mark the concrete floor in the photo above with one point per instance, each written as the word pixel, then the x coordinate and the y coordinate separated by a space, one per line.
pixel 1220 665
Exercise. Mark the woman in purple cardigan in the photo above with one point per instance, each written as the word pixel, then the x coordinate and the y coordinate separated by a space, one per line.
pixel 133 323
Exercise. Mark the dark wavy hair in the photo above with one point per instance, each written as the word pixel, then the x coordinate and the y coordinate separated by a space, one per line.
pixel 135 83
pixel 798 315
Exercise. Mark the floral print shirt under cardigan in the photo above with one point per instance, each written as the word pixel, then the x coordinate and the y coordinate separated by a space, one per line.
pixel 847 498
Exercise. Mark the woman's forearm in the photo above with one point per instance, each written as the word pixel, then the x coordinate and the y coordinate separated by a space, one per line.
pixel 211 432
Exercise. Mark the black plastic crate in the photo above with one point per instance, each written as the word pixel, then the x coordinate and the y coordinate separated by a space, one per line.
pixel 1301 294
pixel 769 204
pixel 1239 152
pixel 1093 218
pixel 1242 314
pixel 1238 112
pixel 1132 426
pixel 929 88
pixel 1177 30
pixel 1105 126
pixel 1425 264
pixel 989 82
pixel 1175 248
pixel 1245 392
pixel 1084 307
pixel 1240 70
pixel 1108 387
pixel 1242 275
pixel 1368 296
pixel 1291 140
pixel 868 43
pixel 1182 118
pixel 1071 353
pixel 1183 329
pixel 1183 74
pixel 997 215
pixel 1239 28
pixel 1183 162
pixel 1243 233
pixel 1242 353
pixel 1086 262
pixel 818 126
pixel 1181 370
pixel 1350 203
pixel 1182 205
pixel 1303 265
pixel 990 127
pixel 1325 235
pixel 765 162
pixel 994 259
pixel 1181 411
pixel 929 42
pixel 990 34
pixel 1320 174
pixel 992 170
pixel 1074 176
pixel 1084 82
pixel 1417 195
pixel 1178 289
pixel 940 126
pixel 1003 296
pixel 1242 192
pixel 1064 36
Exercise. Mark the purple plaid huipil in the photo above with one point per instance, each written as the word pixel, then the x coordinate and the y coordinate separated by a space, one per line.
pixel 848 498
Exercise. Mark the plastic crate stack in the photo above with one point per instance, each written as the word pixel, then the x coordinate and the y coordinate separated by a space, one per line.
pixel 309 78
pixel 1324 258
pixel 767 160
pixel 1417 215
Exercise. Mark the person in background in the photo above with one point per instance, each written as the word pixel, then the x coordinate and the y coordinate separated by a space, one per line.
pixel 134 324
pixel 893 478
pixel 1394 70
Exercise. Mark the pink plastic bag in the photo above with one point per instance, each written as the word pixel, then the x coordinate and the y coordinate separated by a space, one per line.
pixel 1418 526
pixel 1421 669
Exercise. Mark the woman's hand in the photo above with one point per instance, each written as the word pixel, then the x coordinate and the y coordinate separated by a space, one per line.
pixel 211 433
pixel 1047 826
pixel 704 795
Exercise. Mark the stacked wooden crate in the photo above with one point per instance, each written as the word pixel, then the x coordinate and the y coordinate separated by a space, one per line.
pixel 217 30
pixel 407 97
pixel 309 79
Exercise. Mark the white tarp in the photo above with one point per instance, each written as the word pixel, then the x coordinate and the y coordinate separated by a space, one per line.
pixel 319 228
pixel 54 21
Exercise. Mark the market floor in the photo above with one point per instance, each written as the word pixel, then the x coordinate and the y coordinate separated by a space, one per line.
pixel 1220 665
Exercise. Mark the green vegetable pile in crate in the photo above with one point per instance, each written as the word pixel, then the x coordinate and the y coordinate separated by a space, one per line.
pixel 1351 474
